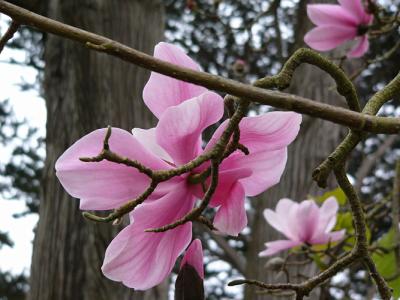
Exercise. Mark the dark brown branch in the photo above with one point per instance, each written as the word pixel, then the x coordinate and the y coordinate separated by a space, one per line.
pixel 277 99
pixel 9 34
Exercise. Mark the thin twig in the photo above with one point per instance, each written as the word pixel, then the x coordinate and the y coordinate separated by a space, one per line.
pixel 196 212
pixel 14 26
pixel 124 209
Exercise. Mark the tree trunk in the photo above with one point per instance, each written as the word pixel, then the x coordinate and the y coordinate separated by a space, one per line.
pixel 316 140
pixel 84 91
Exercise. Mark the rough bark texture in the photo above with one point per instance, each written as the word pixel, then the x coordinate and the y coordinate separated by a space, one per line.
pixel 314 143
pixel 84 91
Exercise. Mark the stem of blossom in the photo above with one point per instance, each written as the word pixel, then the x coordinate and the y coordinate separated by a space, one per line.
pixel 124 209
pixel 196 212
pixel 215 152
pixel 14 26
pixel 230 147
pixel 203 220
pixel 277 99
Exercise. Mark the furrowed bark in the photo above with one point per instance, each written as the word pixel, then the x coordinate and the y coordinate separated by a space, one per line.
pixel 85 90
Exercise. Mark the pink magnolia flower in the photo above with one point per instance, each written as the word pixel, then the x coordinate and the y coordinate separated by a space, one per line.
pixel 142 259
pixel 194 257
pixel 337 24
pixel 302 223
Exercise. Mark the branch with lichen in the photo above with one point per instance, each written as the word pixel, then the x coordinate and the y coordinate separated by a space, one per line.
pixel 352 119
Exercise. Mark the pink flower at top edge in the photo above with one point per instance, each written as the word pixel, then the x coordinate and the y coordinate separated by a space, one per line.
pixel 302 223
pixel 337 24
pixel 141 259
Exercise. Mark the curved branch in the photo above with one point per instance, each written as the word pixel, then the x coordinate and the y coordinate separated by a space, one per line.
pixel 282 80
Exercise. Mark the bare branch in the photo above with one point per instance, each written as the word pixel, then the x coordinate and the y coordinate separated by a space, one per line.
pixel 277 99
pixel 9 34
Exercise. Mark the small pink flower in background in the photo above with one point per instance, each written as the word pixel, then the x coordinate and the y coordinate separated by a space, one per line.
pixel 194 257
pixel 142 259
pixel 302 223
pixel 337 24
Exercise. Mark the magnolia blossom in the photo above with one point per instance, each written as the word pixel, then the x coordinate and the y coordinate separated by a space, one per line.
pixel 337 24
pixel 194 258
pixel 142 259
pixel 302 223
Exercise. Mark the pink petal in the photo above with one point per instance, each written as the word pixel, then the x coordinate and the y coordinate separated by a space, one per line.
pixel 337 235
pixel 327 214
pixel 226 182
pixel 161 91
pixel 194 257
pixel 147 137
pixel 360 48
pixel 277 246
pixel 329 14
pixel 261 135
pixel 231 216
pixel 267 168
pixel 326 221
pixel 328 237
pixel 180 127
pixel 307 220
pixel 105 185
pixel 355 8
pixel 328 37
pixel 283 219
pixel 271 131
pixel 141 260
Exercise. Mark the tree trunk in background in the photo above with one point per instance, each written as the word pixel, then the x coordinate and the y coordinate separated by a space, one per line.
pixel 316 140
pixel 84 91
